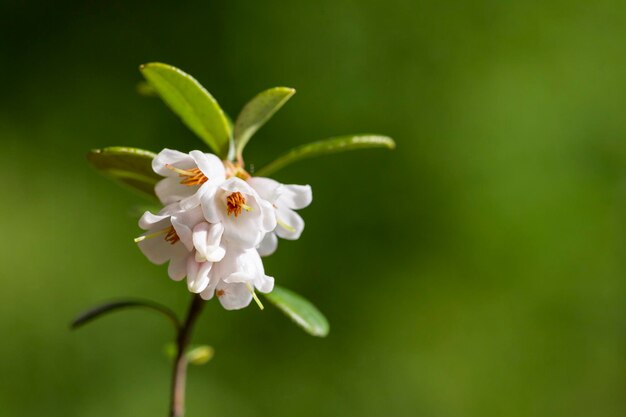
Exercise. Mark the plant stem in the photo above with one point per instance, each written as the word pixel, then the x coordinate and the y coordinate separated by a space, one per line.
pixel 179 374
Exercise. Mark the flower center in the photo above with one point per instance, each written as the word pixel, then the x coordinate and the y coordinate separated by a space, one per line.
pixel 235 203
pixel 236 170
pixel 189 177
pixel 171 236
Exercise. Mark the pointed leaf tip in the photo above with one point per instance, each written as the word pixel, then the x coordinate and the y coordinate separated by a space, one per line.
pixel 300 310
pixel 197 108
pixel 327 146
pixel 129 166
pixel 257 112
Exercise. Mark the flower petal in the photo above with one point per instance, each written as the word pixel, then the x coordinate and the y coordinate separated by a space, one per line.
pixel 267 188
pixel 177 268
pixel 296 196
pixel 210 165
pixel 197 274
pixel 264 283
pixel 171 157
pixel 206 240
pixel 268 245
pixel 234 296
pixel 169 190
pixel 290 224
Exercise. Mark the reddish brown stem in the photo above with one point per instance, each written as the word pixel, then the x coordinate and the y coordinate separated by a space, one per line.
pixel 179 374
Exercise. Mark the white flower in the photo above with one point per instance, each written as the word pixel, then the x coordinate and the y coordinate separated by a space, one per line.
pixel 285 199
pixel 235 277
pixel 245 216
pixel 187 176
pixel 183 238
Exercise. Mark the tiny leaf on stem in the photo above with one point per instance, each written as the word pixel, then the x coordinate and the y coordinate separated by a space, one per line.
pixel 258 111
pixel 327 146
pixel 102 309
pixel 193 104
pixel 300 310
pixel 130 166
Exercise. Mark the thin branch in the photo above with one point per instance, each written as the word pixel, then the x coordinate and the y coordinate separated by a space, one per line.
pixel 96 312
pixel 179 374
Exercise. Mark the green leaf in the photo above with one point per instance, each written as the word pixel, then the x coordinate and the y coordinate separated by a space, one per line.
pixel 300 310
pixel 258 111
pixel 328 146
pixel 193 104
pixel 102 309
pixel 130 166
pixel 195 354
pixel 199 355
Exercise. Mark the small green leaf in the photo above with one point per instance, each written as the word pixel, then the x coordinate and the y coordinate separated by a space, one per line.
pixel 300 310
pixel 328 146
pixel 130 166
pixel 193 104
pixel 199 355
pixel 102 309
pixel 258 111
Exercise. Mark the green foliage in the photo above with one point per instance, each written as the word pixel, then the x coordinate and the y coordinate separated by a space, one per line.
pixel 199 355
pixel 327 146
pixel 130 166
pixel 193 104
pixel 300 310
pixel 258 111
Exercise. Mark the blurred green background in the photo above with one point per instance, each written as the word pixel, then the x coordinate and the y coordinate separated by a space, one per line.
pixel 478 270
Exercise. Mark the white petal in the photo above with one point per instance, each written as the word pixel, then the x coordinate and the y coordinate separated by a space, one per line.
pixel 267 188
pixel 149 220
pixel 237 184
pixel 210 202
pixel 264 283
pixel 171 157
pixel 184 222
pixel 290 224
pixel 197 274
pixel 177 268
pixel 296 196
pixel 234 296
pixel 210 165
pixel 268 213
pixel 268 244
pixel 206 240
pixel 170 190
pixel 156 249
pixel 195 199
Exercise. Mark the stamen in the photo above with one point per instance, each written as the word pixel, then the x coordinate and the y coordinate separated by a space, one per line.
pixel 285 225
pixel 189 177
pixel 256 299
pixel 170 235
pixel 235 203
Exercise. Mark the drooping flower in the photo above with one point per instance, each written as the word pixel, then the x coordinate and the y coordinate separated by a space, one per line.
pixel 285 198
pixel 187 176
pixel 234 279
pixel 183 238
pixel 245 216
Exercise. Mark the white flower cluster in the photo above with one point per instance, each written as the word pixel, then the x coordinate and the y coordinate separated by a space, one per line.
pixel 217 223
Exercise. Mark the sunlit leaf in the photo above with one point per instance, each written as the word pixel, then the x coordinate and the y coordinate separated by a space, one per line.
pixel 102 309
pixel 196 354
pixel 258 111
pixel 300 310
pixel 328 146
pixel 199 355
pixel 192 103
pixel 130 166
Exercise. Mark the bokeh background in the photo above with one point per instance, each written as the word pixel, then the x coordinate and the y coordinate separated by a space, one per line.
pixel 478 270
